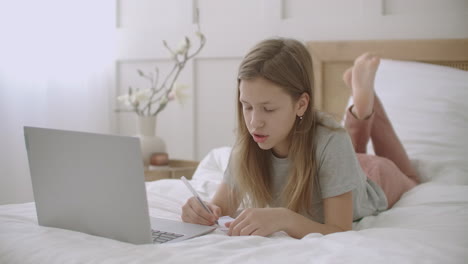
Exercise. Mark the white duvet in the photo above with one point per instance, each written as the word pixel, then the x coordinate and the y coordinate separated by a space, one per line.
pixel 428 225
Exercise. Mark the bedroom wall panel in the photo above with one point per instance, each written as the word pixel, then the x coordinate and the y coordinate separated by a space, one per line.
pixel 434 7
pixel 224 13
pixel 332 9
pixel 153 13
pixel 215 103
pixel 370 19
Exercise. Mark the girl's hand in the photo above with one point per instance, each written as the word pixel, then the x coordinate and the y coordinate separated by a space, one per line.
pixel 193 212
pixel 258 222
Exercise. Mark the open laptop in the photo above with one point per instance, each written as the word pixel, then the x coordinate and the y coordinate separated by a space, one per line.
pixel 94 183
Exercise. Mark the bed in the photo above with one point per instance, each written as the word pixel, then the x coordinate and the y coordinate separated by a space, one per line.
pixel 425 99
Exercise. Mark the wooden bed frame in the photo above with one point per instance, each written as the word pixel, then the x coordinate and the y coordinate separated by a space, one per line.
pixel 332 58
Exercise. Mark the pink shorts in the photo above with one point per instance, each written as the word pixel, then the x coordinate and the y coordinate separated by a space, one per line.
pixel 387 175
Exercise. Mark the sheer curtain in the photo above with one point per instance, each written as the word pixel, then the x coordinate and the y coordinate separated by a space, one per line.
pixel 56 71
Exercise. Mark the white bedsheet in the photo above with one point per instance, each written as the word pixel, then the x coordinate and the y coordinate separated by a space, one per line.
pixel 428 225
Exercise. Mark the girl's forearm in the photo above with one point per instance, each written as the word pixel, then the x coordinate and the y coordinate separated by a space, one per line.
pixel 298 226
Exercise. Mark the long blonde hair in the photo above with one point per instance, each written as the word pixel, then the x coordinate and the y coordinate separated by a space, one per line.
pixel 287 63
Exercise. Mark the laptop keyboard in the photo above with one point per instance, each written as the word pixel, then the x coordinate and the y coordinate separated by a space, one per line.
pixel 163 237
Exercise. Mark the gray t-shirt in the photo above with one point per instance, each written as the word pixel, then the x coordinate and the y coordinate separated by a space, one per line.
pixel 338 172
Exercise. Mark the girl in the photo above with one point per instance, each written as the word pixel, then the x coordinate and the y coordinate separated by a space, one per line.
pixel 293 168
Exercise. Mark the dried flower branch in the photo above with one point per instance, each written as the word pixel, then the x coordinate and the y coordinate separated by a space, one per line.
pixel 151 101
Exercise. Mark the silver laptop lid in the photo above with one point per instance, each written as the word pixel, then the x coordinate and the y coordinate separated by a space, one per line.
pixel 90 183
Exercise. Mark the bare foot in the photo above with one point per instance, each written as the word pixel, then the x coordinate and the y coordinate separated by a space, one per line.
pixel 347 78
pixel 362 83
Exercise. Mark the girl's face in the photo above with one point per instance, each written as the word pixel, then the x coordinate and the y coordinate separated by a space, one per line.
pixel 269 113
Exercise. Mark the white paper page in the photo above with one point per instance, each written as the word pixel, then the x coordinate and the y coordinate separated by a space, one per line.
pixel 222 221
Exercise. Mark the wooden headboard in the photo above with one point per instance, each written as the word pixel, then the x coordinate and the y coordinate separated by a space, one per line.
pixel 330 60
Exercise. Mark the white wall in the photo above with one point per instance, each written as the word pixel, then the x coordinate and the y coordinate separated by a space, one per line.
pixel 33 95
pixel 56 70
pixel 232 27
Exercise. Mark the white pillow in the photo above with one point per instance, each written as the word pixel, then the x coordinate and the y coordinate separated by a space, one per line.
pixel 428 107
pixel 213 165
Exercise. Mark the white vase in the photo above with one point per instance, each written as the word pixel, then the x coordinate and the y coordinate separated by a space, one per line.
pixel 149 141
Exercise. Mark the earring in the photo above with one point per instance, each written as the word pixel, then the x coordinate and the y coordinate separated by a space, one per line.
pixel 300 118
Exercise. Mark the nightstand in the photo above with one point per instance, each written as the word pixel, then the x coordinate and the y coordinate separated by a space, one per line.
pixel 175 170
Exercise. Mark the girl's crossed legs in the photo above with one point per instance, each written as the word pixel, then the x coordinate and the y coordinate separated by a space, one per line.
pixel 390 168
